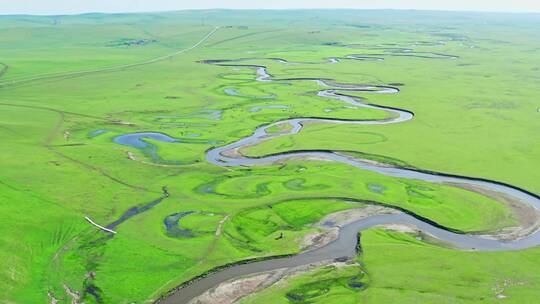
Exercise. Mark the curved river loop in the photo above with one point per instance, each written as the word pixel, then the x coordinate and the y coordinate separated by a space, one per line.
pixel 346 244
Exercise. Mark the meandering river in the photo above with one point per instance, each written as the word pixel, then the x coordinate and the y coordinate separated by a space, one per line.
pixel 346 243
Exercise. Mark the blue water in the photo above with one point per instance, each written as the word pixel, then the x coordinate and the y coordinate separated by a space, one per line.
pixel 97 132
pixel 258 108
pixel 137 140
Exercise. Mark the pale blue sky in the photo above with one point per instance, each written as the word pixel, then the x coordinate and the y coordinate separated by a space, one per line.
pixel 82 6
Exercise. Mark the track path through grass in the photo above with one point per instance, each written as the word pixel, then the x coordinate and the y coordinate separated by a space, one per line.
pixel 107 69
pixel 55 131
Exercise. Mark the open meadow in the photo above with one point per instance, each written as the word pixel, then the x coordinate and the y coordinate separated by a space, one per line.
pixel 110 120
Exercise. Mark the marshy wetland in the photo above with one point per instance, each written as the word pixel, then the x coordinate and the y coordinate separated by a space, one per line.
pixel 240 159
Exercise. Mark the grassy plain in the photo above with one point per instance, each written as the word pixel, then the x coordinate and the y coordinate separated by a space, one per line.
pixel 476 116
pixel 398 267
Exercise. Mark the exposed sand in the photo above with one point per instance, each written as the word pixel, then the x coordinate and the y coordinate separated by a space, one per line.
pixel 131 156
pixel 75 295
pixel 345 217
pixel 316 240
pixel 330 224
pixel 234 290
pixel 53 299
pixel 401 228
pixel 123 123
pixel 220 226
pixel 67 135
pixel 231 291
pixel 527 216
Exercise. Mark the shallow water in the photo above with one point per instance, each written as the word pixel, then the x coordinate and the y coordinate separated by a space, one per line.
pixel 137 210
pixel 97 132
pixel 234 92
pixel 172 225
pixel 259 108
pixel 137 140
pixel 203 114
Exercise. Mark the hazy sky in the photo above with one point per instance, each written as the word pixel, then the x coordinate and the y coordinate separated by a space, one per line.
pixel 81 6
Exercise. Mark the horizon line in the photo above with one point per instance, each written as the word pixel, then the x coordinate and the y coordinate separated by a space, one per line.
pixel 517 12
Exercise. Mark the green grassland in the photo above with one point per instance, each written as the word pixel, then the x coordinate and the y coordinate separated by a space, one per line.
pixel 475 116
pixel 329 284
pixel 398 267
